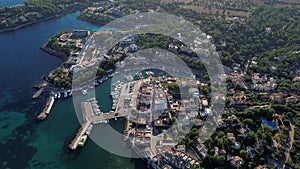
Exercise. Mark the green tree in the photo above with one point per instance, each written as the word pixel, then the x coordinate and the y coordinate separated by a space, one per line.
pixel 244 154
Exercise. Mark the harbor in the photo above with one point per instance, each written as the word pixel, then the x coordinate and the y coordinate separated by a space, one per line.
pixel 43 136
pixel 50 101
pixel 55 94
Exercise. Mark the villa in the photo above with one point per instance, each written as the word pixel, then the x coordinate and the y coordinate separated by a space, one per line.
pixel 236 161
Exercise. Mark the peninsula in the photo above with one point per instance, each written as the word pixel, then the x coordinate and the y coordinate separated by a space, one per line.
pixel 34 11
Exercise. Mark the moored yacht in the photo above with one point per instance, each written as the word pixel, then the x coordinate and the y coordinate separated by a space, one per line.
pixel 65 94
pixel 58 95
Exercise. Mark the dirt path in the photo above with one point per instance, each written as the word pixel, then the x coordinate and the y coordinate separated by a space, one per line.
pixel 291 135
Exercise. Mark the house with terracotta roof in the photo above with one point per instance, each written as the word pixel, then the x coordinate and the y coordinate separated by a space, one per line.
pixel 202 150
pixel 231 136
pixel 180 147
pixel 277 97
pixel 296 79
pixel 293 99
pixel 204 102
pixel 236 161
pixel 166 166
pixel 239 98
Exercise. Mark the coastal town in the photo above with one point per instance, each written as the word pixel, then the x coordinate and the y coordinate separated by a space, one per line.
pixel 256 128
pixel 151 107
pixel 146 106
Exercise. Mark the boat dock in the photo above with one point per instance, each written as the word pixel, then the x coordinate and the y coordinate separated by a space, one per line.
pixel 81 132
pixel 139 75
pixel 89 118
pixel 47 108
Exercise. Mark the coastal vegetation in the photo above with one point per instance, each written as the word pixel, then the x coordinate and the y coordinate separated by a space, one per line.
pixel 237 39
pixel 228 8
pixel 268 33
pixel 32 11
pixel 66 45
pixel 103 12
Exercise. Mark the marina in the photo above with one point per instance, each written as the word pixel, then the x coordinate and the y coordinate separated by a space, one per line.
pixel 44 138
pixel 58 94
pixel 139 75
pixel 92 114
pixel 128 77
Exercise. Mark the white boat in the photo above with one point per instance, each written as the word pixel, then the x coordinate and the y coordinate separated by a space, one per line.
pixel 98 122
pixel 88 131
pixel 102 79
pixel 58 95
pixel 55 96
pixel 65 94
pixel 90 99
pixel 70 94
pixel 84 91
pixel 149 73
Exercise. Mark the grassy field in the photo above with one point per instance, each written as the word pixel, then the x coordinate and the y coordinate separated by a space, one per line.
pixel 203 9
pixel 230 7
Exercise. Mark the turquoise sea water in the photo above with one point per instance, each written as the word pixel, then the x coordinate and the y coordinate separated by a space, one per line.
pixel 11 2
pixel 25 142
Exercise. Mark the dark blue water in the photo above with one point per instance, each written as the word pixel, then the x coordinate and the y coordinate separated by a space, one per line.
pixel 11 2
pixel 25 143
